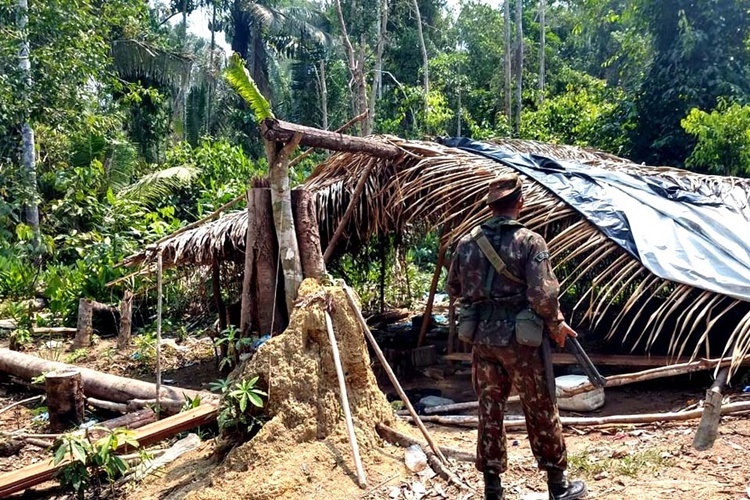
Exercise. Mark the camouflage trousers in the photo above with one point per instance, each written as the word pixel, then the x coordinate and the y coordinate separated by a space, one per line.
pixel 494 371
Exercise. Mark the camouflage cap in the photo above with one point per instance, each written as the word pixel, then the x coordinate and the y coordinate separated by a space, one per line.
pixel 503 186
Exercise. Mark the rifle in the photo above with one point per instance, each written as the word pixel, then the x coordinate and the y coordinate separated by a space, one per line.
pixel 574 347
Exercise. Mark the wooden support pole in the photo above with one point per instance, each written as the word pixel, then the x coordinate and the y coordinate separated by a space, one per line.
pixel 708 429
pixel 353 201
pixel 64 398
pixel 159 273
pixel 452 330
pixel 246 306
pixel 389 372
pixel 431 298
pixel 126 320
pixel 361 479
pixel 84 328
pixel 280 131
pixel 308 234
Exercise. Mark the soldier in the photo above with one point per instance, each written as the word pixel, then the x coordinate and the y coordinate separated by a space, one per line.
pixel 489 303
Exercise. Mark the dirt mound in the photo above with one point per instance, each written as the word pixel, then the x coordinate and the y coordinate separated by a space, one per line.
pixel 303 449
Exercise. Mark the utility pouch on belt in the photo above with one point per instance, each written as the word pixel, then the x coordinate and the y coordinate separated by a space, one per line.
pixel 529 326
pixel 468 321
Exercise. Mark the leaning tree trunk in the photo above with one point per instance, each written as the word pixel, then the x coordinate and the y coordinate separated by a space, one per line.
pixel 506 34
pixel 519 65
pixel 31 208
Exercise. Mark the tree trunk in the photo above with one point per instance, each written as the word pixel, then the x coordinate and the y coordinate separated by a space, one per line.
pixel 64 398
pixel 542 48
pixel 126 320
pixel 359 91
pixel 308 235
pixel 95 384
pixel 320 74
pixel 507 54
pixel 246 305
pixel 281 199
pixel 519 65
pixel 30 205
pixel 377 80
pixel 270 317
pixel 425 67
pixel 211 80
pixel 83 328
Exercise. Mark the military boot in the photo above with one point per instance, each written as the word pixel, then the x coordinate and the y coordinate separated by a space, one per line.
pixel 560 488
pixel 493 489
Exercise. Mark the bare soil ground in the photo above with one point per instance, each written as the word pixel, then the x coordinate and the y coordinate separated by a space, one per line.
pixel 653 461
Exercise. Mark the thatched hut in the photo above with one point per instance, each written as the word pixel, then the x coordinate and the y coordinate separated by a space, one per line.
pixel 430 186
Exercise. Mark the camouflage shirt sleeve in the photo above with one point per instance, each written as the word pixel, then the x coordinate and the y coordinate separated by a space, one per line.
pixel 542 286
pixel 453 282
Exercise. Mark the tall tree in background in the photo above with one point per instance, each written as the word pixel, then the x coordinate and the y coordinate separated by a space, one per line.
pixel 30 208
pixel 507 75
pixel 519 66
pixel 542 48
pixel 700 54
pixel 356 63
pixel 377 80
pixel 425 61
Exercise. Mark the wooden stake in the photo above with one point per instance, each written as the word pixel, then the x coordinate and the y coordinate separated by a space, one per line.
pixel 64 398
pixel 83 329
pixel 349 209
pixel 126 320
pixel 708 429
pixel 389 372
pixel 361 479
pixel 158 328
pixel 431 298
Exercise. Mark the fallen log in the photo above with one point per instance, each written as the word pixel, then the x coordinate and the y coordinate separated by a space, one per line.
pixel 654 373
pixel 469 405
pixel 53 330
pixel 19 480
pixel 95 384
pixel 133 420
pixel 280 131
pixel 646 418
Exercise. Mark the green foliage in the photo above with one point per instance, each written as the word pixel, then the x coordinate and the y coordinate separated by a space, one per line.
pixel 723 139
pixel 145 349
pixel 589 113
pixel 239 405
pixel 77 355
pixel 234 343
pixel 243 83
pixel 86 460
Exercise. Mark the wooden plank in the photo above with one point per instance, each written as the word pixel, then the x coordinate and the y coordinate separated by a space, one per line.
pixel 563 358
pixel 13 482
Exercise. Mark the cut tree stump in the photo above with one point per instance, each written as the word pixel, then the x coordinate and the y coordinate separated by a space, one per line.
pixel 64 398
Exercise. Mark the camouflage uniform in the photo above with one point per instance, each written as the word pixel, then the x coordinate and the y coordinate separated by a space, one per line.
pixel 498 361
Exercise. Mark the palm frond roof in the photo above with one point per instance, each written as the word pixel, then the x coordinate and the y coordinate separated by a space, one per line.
pixel 434 186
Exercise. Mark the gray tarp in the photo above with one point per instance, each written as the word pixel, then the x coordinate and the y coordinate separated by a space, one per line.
pixel 676 234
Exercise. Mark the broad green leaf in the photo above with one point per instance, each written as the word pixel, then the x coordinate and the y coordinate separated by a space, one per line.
pixel 255 399
pixel 239 78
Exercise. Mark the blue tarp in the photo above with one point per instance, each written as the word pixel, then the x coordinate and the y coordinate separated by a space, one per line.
pixel 676 234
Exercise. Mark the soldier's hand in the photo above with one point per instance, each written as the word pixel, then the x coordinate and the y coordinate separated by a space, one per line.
pixel 563 333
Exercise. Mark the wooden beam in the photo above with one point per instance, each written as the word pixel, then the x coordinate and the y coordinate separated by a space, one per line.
pixel 563 358
pixel 281 131
pixel 427 316
pixel 19 480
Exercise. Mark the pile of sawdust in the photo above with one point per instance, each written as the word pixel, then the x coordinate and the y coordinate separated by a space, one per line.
pixel 303 451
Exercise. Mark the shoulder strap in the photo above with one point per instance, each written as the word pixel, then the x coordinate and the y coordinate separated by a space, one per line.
pixel 489 251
